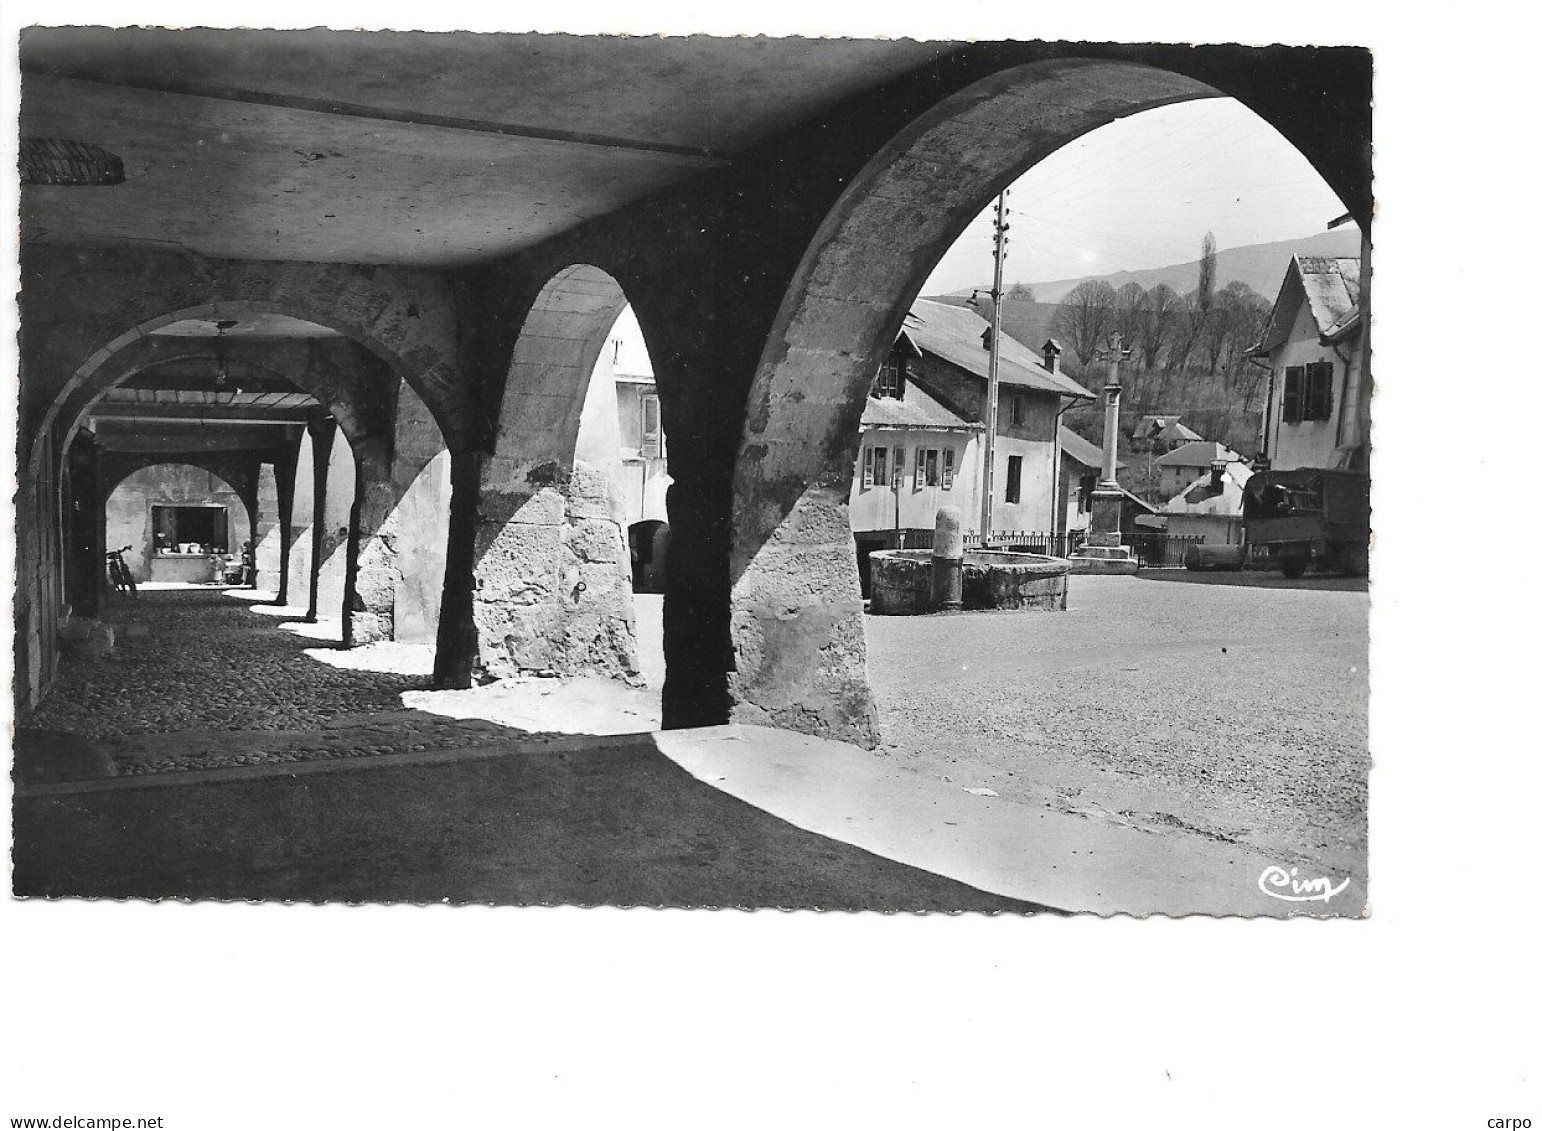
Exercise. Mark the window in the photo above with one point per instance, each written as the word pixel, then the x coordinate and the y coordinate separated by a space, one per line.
pixel 891 379
pixel 1014 479
pixel 1308 393
pixel 947 469
pixel 204 526
pixel 652 428
pixel 875 468
pixel 1290 401
pixel 927 467
pixel 1019 408
pixel 1089 484
pixel 899 467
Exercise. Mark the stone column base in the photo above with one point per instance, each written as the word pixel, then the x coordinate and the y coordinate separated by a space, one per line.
pixel 1104 559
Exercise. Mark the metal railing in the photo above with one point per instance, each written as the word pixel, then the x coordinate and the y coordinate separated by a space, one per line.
pixel 1159 548
pixel 1057 544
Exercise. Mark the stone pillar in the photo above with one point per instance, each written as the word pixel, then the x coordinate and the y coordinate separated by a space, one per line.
pixel 85 557
pixel 335 495
pixel 304 515
pixel 369 595
pixel 553 573
pixel 948 560
pixel 455 651
pixel 267 531
pixel 1104 552
pixel 285 472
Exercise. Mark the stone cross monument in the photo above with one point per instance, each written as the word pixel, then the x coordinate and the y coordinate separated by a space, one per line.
pixel 1103 551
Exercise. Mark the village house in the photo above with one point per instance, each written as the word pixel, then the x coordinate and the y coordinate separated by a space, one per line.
pixel 1210 507
pixel 1184 464
pixel 1316 410
pixel 923 429
pixel 1163 432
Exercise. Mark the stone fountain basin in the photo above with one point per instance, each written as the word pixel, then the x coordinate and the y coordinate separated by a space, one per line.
pixel 993 579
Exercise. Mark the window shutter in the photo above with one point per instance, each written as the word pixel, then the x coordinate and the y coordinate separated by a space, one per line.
pixel 947 469
pixel 1322 390
pixel 1290 404
pixel 867 468
pixel 920 468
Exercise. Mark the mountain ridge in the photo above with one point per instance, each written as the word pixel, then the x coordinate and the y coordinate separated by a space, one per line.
pixel 1259 265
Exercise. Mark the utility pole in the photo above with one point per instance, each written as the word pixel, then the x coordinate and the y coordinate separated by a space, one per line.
pixel 993 384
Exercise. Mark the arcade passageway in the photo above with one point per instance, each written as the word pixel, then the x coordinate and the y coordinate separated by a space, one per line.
pixel 203 677
pixel 370 309
pixel 408 804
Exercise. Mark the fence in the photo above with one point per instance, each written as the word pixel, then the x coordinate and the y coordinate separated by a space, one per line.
pixel 1159 548
pixel 1152 547
pixel 1057 544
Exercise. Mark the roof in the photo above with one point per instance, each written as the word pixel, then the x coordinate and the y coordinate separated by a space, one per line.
pixel 1199 453
pixel 1082 450
pixel 1200 498
pixel 1329 285
pixel 1136 499
pixel 1167 427
pixel 918 409
pixel 954 333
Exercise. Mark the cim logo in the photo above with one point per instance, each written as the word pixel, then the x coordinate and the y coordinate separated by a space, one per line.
pixel 1277 883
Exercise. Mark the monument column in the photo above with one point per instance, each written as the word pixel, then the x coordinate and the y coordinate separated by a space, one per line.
pixel 1104 552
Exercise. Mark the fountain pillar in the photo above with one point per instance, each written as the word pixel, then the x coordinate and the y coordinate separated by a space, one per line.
pixel 948 560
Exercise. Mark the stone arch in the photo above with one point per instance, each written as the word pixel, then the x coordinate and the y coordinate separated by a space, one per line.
pixel 797 621
pixel 393 431
pixel 236 481
pixel 551 562
pixel 136 350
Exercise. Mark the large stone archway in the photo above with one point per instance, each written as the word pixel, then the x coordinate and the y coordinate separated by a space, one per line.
pixel 552 569
pixel 797 619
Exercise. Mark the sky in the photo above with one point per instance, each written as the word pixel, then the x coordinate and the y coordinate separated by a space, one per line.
pixel 1142 192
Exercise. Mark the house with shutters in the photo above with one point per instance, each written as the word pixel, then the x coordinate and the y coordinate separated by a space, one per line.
pixel 924 425
pixel 1317 409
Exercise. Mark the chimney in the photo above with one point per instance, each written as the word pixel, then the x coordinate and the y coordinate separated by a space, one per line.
pixel 1052 355
pixel 1217 472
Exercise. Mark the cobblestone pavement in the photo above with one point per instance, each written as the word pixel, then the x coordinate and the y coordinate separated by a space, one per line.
pixel 201 679
pixel 1233 706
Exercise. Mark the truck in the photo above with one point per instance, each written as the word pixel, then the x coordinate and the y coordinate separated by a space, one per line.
pixel 1310 517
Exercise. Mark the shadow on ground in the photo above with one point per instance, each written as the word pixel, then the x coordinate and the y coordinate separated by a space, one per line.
pixel 1256 579
pixel 619 825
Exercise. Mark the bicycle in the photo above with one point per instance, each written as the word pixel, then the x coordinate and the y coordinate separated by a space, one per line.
pixel 120 574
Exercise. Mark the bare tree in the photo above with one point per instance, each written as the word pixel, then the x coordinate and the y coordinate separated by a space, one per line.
pixel 1163 309
pixel 1188 325
pixel 1020 292
pixel 1130 312
pixel 1085 317
pixel 1233 324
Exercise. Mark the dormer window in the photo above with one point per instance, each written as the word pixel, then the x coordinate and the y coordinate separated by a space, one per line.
pixel 891 379
pixel 985 339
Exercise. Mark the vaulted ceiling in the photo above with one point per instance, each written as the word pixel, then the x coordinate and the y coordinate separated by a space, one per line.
pixel 415 148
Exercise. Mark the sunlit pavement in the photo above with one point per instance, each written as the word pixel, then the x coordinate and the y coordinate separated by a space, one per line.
pixel 1001 818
